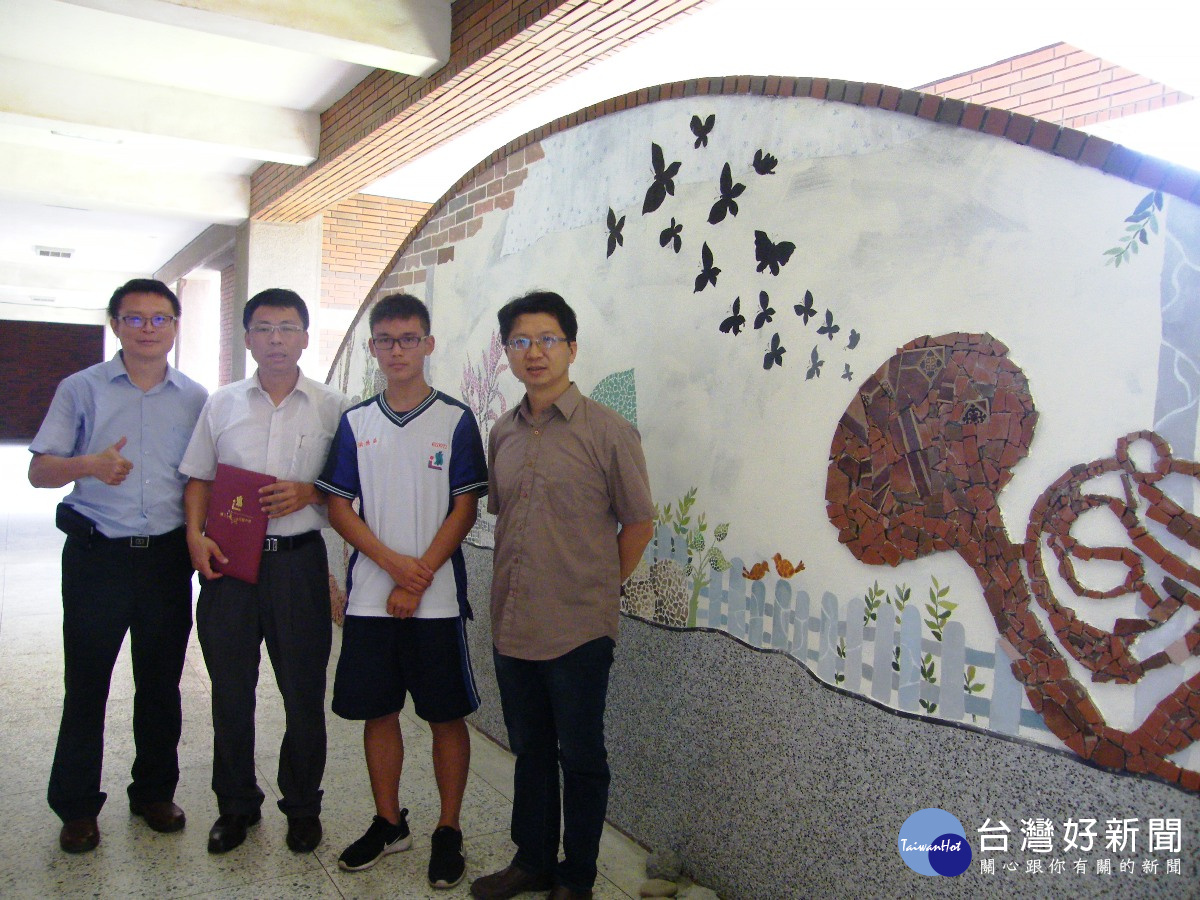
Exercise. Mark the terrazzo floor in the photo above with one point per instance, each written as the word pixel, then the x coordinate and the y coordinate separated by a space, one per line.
pixel 132 860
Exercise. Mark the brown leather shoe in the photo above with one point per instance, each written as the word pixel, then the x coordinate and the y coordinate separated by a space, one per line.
pixel 161 815
pixel 565 893
pixel 304 833
pixel 79 835
pixel 508 883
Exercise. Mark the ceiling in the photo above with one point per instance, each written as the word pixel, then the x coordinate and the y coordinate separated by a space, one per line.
pixel 129 126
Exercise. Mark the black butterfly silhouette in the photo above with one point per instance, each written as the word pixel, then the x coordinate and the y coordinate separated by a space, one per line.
pixel 735 322
pixel 771 255
pixel 774 354
pixel 848 375
pixel 829 329
pixel 805 310
pixel 728 201
pixel 614 231
pixel 708 272
pixel 854 336
pixel 664 182
pixel 701 129
pixel 671 235
pixel 814 370
pixel 764 163
pixel 766 313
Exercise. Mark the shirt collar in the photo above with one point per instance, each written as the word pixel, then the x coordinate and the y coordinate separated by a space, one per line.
pixel 302 385
pixel 566 404
pixel 115 368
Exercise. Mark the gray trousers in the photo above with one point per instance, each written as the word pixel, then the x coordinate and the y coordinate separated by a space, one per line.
pixel 289 610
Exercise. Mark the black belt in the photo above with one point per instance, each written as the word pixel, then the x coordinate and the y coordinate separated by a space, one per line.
pixel 140 541
pixel 275 544
pixel 75 524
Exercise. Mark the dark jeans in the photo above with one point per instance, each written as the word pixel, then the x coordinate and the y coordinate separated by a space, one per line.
pixel 554 712
pixel 109 589
pixel 289 610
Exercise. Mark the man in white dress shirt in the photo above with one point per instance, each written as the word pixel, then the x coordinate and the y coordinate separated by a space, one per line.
pixel 280 423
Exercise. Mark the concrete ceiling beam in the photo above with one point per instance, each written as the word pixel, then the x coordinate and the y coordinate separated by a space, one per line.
pixel 408 36
pixel 140 115
pixel 51 177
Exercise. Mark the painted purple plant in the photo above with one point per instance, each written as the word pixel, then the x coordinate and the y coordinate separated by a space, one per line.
pixel 481 387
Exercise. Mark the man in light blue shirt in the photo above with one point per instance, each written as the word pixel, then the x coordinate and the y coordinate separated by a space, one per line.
pixel 118 431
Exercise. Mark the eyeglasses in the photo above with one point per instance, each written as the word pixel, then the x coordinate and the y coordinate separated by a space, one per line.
pixel 155 321
pixel 547 342
pixel 287 329
pixel 407 342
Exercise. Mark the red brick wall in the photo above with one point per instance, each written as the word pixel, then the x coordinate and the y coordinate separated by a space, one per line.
pixel 359 236
pixel 501 51
pixel 1060 84
pixel 37 356
pixel 229 324
pixel 462 217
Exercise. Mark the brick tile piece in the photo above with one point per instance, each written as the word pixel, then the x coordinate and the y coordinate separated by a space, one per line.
pixel 1019 129
pixel 1070 143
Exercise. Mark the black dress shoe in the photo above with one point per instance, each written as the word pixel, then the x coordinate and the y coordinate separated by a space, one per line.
pixel 161 815
pixel 79 835
pixel 230 830
pixel 562 892
pixel 508 883
pixel 304 833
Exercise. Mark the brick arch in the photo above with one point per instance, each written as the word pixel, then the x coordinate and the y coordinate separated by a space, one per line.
pixel 481 189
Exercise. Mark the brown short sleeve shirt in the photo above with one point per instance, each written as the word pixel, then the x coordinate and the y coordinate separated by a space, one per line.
pixel 560 485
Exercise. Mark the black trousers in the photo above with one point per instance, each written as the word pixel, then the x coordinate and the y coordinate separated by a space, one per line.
pixel 289 610
pixel 108 589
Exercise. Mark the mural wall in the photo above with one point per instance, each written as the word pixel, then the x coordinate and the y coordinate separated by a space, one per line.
pixel 919 404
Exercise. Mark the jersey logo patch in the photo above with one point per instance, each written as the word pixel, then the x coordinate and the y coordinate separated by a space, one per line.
pixel 437 460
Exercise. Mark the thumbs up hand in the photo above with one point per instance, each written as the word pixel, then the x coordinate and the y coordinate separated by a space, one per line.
pixel 110 466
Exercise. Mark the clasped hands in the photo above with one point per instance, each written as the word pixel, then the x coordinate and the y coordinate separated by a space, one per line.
pixel 412 577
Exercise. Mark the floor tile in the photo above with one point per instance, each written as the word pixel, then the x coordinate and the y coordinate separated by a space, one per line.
pixel 133 861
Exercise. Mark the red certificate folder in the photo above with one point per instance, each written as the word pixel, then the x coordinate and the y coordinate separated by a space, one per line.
pixel 236 520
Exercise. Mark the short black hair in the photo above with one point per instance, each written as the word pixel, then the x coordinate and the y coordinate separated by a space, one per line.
pixel 538 302
pixel 399 306
pixel 277 297
pixel 142 286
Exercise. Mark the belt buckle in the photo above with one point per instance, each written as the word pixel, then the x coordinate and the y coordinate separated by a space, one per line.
pixel 270 545
pixel 139 541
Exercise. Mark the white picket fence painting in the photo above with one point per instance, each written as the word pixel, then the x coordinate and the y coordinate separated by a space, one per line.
pixel 897 664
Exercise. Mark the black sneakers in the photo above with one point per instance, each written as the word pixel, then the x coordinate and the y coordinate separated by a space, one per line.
pixel 447 865
pixel 381 839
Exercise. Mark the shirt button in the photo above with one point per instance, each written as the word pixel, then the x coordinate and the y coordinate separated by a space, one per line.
pixel 535 431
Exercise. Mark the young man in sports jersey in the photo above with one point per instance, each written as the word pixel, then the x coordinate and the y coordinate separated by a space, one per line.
pixel 414 457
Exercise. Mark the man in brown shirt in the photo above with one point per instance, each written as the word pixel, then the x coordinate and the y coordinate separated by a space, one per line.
pixel 567 480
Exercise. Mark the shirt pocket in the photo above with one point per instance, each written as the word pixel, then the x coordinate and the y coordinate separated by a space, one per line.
pixel 569 499
pixel 308 456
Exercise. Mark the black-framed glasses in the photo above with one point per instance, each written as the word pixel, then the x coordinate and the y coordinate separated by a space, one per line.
pixel 155 321
pixel 407 342
pixel 547 342
pixel 287 329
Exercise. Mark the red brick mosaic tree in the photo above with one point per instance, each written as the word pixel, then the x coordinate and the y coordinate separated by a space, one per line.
pixel 916 466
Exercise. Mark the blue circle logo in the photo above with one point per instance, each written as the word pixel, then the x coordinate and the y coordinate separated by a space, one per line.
pixel 933 842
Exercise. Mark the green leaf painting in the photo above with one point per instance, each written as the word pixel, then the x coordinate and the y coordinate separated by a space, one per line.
pixel 618 392
pixel 1138 227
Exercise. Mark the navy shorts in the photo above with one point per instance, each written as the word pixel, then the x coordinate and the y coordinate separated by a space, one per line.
pixel 382 659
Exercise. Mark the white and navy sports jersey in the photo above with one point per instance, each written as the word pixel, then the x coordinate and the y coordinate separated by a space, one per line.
pixel 406 467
